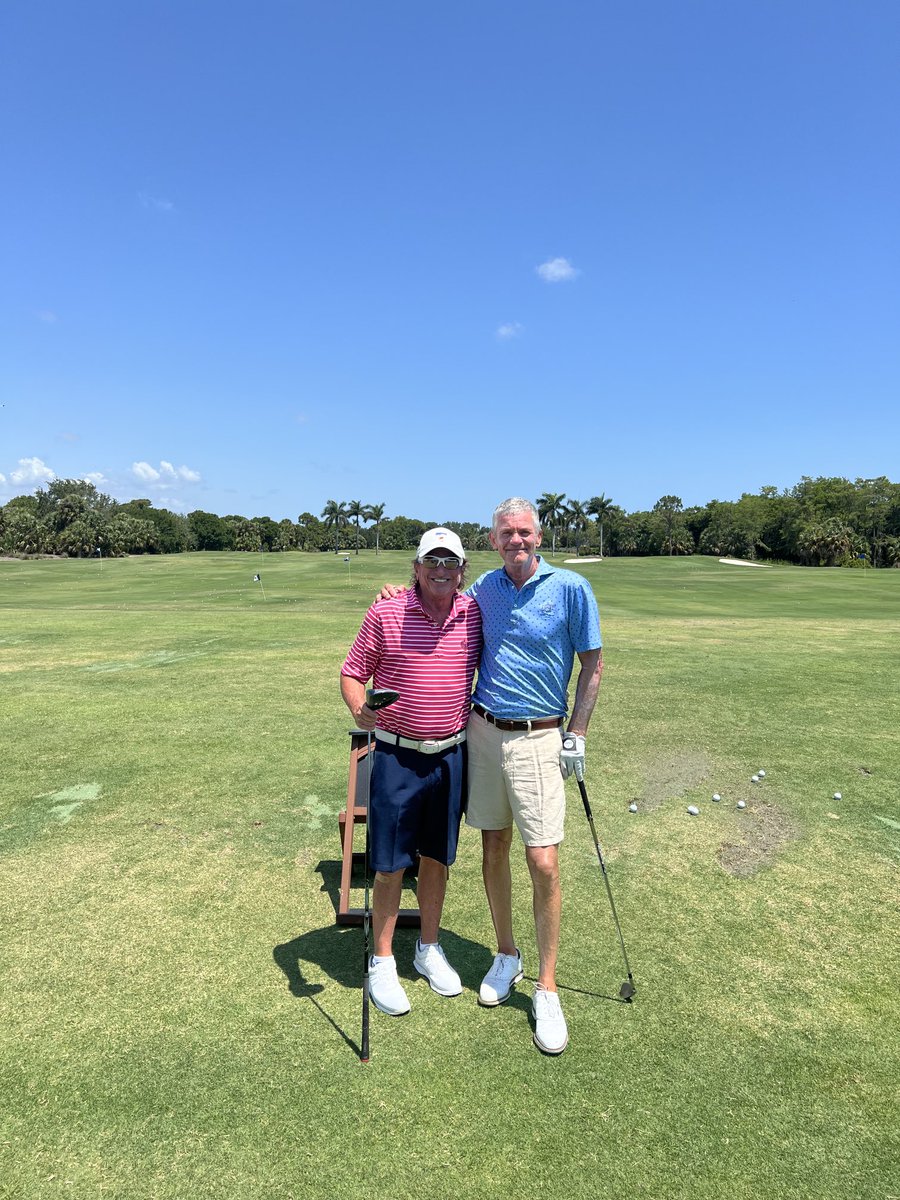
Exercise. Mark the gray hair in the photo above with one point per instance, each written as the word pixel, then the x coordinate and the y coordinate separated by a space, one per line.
pixel 513 505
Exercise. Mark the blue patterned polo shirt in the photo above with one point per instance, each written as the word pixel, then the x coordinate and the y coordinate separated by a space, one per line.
pixel 531 637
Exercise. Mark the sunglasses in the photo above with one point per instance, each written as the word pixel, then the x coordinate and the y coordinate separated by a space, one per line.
pixel 436 560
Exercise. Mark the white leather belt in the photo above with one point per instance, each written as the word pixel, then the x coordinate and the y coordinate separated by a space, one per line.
pixel 428 746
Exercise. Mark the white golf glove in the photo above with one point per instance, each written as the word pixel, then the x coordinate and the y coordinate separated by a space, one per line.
pixel 571 757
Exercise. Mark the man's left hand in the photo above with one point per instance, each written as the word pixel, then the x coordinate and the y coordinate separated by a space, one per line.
pixel 571 757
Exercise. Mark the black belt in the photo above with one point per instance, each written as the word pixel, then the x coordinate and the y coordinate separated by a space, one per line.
pixel 518 726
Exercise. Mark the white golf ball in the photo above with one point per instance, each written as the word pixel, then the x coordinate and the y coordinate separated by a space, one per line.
pixel 761 774
pixel 632 808
pixel 693 810
pixel 742 803
pixel 754 779
pixel 837 795
pixel 716 796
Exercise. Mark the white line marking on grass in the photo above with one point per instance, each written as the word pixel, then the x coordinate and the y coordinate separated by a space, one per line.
pixel 77 791
pixel 70 799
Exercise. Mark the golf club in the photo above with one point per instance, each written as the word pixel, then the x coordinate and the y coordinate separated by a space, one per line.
pixel 375 698
pixel 627 990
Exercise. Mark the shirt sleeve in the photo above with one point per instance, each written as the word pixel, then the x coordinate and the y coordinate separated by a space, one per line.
pixel 584 619
pixel 365 652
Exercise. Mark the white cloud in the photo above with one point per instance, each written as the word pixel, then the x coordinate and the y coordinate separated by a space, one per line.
pixel 144 472
pixel 166 476
pixel 97 478
pixel 47 316
pixel 2 479
pixel 32 470
pixel 557 270
pixel 156 203
pixel 511 329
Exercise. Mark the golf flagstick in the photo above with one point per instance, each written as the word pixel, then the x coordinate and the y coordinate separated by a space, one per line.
pixel 375 698
pixel 627 990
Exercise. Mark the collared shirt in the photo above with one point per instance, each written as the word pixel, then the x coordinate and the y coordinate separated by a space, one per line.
pixel 400 647
pixel 531 637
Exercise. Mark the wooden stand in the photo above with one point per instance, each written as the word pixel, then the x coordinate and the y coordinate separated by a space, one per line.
pixel 357 783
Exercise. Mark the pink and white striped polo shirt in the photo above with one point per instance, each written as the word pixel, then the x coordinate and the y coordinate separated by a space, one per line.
pixel 400 647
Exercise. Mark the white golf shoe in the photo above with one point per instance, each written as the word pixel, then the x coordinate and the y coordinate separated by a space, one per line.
pixel 431 961
pixel 385 989
pixel 497 984
pixel 550 1032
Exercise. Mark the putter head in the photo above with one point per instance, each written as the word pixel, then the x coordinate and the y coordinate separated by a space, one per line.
pixel 627 990
pixel 380 697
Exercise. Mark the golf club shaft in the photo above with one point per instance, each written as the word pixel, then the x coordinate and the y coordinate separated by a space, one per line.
pixel 364 1039
pixel 612 903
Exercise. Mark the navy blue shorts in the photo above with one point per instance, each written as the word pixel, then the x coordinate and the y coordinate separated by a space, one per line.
pixel 416 805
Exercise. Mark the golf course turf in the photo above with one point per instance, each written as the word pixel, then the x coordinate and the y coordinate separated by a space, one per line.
pixel 180 1012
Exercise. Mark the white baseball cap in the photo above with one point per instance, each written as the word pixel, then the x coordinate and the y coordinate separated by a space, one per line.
pixel 440 539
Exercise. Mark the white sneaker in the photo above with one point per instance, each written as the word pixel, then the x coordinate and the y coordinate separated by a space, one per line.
pixel 497 984
pixel 431 961
pixel 550 1032
pixel 385 989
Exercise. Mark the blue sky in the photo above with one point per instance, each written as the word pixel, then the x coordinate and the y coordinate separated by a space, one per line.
pixel 258 256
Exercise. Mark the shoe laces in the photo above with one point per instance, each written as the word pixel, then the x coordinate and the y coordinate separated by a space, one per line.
pixel 500 961
pixel 548 1002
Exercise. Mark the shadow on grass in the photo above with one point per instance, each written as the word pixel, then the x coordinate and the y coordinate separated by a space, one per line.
pixel 337 951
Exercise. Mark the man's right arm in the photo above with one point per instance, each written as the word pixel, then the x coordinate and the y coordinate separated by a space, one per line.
pixel 354 696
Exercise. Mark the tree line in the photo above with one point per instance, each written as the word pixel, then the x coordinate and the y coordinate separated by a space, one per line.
pixel 827 521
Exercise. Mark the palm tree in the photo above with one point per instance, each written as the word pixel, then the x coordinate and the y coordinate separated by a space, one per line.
pixel 600 507
pixel 669 507
pixel 334 516
pixel 375 512
pixel 356 509
pixel 551 506
pixel 578 520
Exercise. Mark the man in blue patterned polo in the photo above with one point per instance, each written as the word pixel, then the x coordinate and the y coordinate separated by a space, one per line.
pixel 536 619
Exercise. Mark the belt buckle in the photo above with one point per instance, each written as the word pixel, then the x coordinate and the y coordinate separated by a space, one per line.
pixel 429 746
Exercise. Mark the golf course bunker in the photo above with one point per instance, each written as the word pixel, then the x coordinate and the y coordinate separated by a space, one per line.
pixel 670 776
pixel 582 560
pixel 741 562
pixel 767 829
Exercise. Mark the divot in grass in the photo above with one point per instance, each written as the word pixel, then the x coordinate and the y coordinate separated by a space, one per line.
pixel 766 831
pixel 671 776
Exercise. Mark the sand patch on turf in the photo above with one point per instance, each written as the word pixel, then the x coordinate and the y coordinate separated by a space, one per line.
pixel 766 830
pixel 741 562
pixel 581 560
pixel 670 776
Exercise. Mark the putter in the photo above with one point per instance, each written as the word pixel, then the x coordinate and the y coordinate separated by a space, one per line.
pixel 627 990
pixel 375 698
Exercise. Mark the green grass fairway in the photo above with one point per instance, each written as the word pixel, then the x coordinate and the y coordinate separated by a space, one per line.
pixel 180 1014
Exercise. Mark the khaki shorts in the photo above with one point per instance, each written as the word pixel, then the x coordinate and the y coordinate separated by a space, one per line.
pixel 515 777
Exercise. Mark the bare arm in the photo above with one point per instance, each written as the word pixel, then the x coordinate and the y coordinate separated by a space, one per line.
pixel 586 691
pixel 354 696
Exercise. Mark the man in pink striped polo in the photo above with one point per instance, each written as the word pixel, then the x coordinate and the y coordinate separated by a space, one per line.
pixel 424 644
